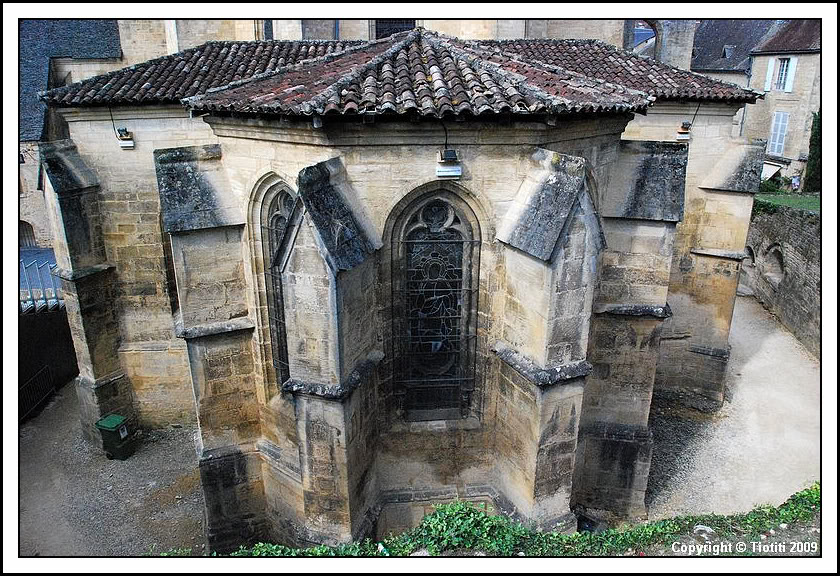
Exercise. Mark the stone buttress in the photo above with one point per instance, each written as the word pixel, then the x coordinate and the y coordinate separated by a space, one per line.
pixel 89 285
pixel 640 208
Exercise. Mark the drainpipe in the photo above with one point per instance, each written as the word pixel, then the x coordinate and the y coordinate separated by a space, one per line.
pixel 744 115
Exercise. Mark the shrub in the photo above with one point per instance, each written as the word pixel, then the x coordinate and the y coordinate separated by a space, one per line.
pixel 460 525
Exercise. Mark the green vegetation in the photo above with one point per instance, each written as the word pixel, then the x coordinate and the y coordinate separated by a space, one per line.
pixel 767 203
pixel 813 170
pixel 462 526
pixel 170 552
pixel 775 185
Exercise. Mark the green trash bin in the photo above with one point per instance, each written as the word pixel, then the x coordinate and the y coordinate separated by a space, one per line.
pixel 117 436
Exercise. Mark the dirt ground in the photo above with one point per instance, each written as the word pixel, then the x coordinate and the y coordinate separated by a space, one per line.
pixel 76 502
pixel 761 447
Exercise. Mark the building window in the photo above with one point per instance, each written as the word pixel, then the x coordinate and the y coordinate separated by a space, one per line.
pixel 435 251
pixel 385 28
pixel 278 212
pixel 784 68
pixel 26 235
pixel 776 144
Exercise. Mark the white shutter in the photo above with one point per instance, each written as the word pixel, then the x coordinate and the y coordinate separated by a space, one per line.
pixel 791 71
pixel 768 80
pixel 782 132
pixel 776 145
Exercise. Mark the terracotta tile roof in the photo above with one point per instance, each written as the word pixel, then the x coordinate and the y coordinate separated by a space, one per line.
pixel 424 73
pixel 416 72
pixel 600 60
pixel 795 36
pixel 170 78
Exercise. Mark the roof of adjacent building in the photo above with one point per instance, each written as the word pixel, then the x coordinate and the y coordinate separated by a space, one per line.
pixel 41 40
pixel 417 72
pixel 598 59
pixel 794 36
pixel 725 45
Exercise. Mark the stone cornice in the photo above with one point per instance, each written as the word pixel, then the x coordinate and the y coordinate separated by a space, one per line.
pixel 634 310
pixel 212 328
pixel 336 391
pixel 123 112
pixel 79 273
pixel 387 133
pixel 542 377
pixel 716 253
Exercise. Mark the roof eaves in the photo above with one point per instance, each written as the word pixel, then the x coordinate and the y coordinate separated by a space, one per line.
pixel 747 92
pixel 772 52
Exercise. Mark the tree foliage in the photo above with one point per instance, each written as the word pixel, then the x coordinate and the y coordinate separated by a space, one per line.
pixel 813 171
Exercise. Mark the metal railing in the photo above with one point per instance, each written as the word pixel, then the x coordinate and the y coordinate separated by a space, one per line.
pixel 38 297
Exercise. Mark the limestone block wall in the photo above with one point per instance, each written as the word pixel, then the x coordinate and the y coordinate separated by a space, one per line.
pixel 741 79
pixel 153 358
pixel 615 446
pixel 192 33
pixel 318 462
pixel 800 103
pixel 466 29
pixel 708 244
pixel 141 40
pixel 416 463
pixel 357 315
pixel 318 29
pixel 89 286
pixel 674 41
pixel 287 29
pixel 354 30
pixel 31 199
pixel 308 294
pixel 610 31
pixel 783 269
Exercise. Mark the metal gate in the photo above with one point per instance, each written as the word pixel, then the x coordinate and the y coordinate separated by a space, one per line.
pixel 34 391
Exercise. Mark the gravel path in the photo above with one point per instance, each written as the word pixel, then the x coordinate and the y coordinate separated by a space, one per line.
pixel 76 502
pixel 761 447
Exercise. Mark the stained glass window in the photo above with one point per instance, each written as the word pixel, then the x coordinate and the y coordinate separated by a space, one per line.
pixel 277 215
pixel 435 297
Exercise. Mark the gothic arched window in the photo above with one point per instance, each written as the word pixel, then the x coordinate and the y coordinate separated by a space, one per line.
pixel 278 214
pixel 435 251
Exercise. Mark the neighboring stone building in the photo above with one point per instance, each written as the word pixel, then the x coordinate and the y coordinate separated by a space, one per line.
pixel 779 58
pixel 786 67
pixel 722 50
pixel 363 330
